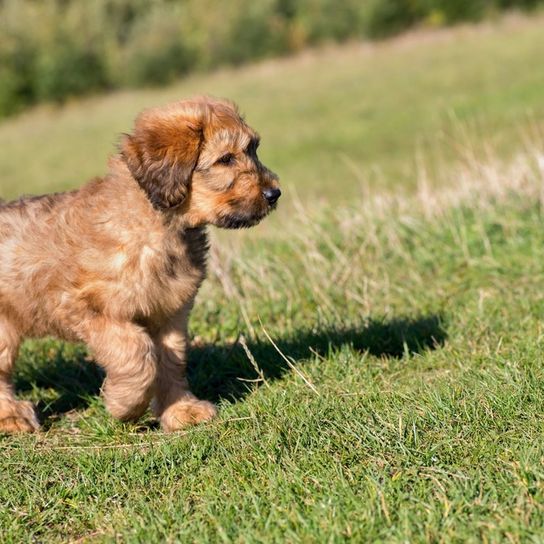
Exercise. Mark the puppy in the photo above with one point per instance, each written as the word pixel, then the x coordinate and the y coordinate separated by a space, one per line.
pixel 117 263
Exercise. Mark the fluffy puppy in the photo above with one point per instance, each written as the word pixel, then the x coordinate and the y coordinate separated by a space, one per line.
pixel 117 263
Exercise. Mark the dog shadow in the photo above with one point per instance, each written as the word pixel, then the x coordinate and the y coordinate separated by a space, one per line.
pixel 57 377
pixel 68 380
pixel 218 371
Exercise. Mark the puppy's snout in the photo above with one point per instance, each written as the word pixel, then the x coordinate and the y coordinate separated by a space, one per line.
pixel 271 195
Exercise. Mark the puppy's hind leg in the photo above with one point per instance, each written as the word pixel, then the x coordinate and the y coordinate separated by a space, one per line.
pixel 127 354
pixel 16 416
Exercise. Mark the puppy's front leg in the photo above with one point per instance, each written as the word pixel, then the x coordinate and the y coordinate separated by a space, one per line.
pixel 174 403
pixel 127 353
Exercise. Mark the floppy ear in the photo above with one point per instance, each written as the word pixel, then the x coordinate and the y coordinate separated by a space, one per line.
pixel 161 155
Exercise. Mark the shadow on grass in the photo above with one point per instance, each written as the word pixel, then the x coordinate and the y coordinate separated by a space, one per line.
pixel 217 371
pixel 57 376
pixel 62 377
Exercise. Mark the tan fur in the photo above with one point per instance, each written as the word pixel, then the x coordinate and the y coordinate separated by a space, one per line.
pixel 117 263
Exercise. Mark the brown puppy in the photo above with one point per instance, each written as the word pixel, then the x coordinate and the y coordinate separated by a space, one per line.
pixel 117 263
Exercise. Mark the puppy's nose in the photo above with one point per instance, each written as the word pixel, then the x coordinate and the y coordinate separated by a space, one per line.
pixel 271 195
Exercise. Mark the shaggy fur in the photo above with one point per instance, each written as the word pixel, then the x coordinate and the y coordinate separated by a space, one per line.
pixel 117 263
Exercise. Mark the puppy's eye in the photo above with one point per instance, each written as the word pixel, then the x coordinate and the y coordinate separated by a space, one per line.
pixel 226 159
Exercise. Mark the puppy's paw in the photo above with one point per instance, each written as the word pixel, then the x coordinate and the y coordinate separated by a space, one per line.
pixel 17 417
pixel 187 412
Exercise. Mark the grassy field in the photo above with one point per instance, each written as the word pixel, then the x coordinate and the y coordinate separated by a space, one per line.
pixel 377 361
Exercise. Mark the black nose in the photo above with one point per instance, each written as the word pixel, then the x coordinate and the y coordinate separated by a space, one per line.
pixel 271 195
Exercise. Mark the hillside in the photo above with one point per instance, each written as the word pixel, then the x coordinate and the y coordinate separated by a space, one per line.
pixel 333 120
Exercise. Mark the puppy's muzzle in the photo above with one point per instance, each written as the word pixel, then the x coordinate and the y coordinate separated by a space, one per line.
pixel 271 195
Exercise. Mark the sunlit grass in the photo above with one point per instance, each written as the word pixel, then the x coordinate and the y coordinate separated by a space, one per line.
pixel 400 400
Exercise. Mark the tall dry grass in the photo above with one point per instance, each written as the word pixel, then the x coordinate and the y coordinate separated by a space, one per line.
pixel 331 266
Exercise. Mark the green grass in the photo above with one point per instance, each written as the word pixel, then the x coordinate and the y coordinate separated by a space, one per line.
pixel 411 406
pixel 414 413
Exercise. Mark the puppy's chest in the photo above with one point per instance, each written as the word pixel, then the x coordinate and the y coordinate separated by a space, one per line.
pixel 175 271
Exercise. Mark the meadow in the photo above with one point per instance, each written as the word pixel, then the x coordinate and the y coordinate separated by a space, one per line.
pixel 375 348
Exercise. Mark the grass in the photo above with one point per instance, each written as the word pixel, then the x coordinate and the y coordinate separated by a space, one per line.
pixel 402 399
pixel 410 409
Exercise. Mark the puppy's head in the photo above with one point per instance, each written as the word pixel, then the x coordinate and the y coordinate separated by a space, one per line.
pixel 199 158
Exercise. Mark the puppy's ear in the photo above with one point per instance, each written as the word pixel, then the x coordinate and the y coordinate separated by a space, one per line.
pixel 161 155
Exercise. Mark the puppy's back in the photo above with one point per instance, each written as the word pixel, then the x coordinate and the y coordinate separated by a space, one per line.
pixel 26 240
